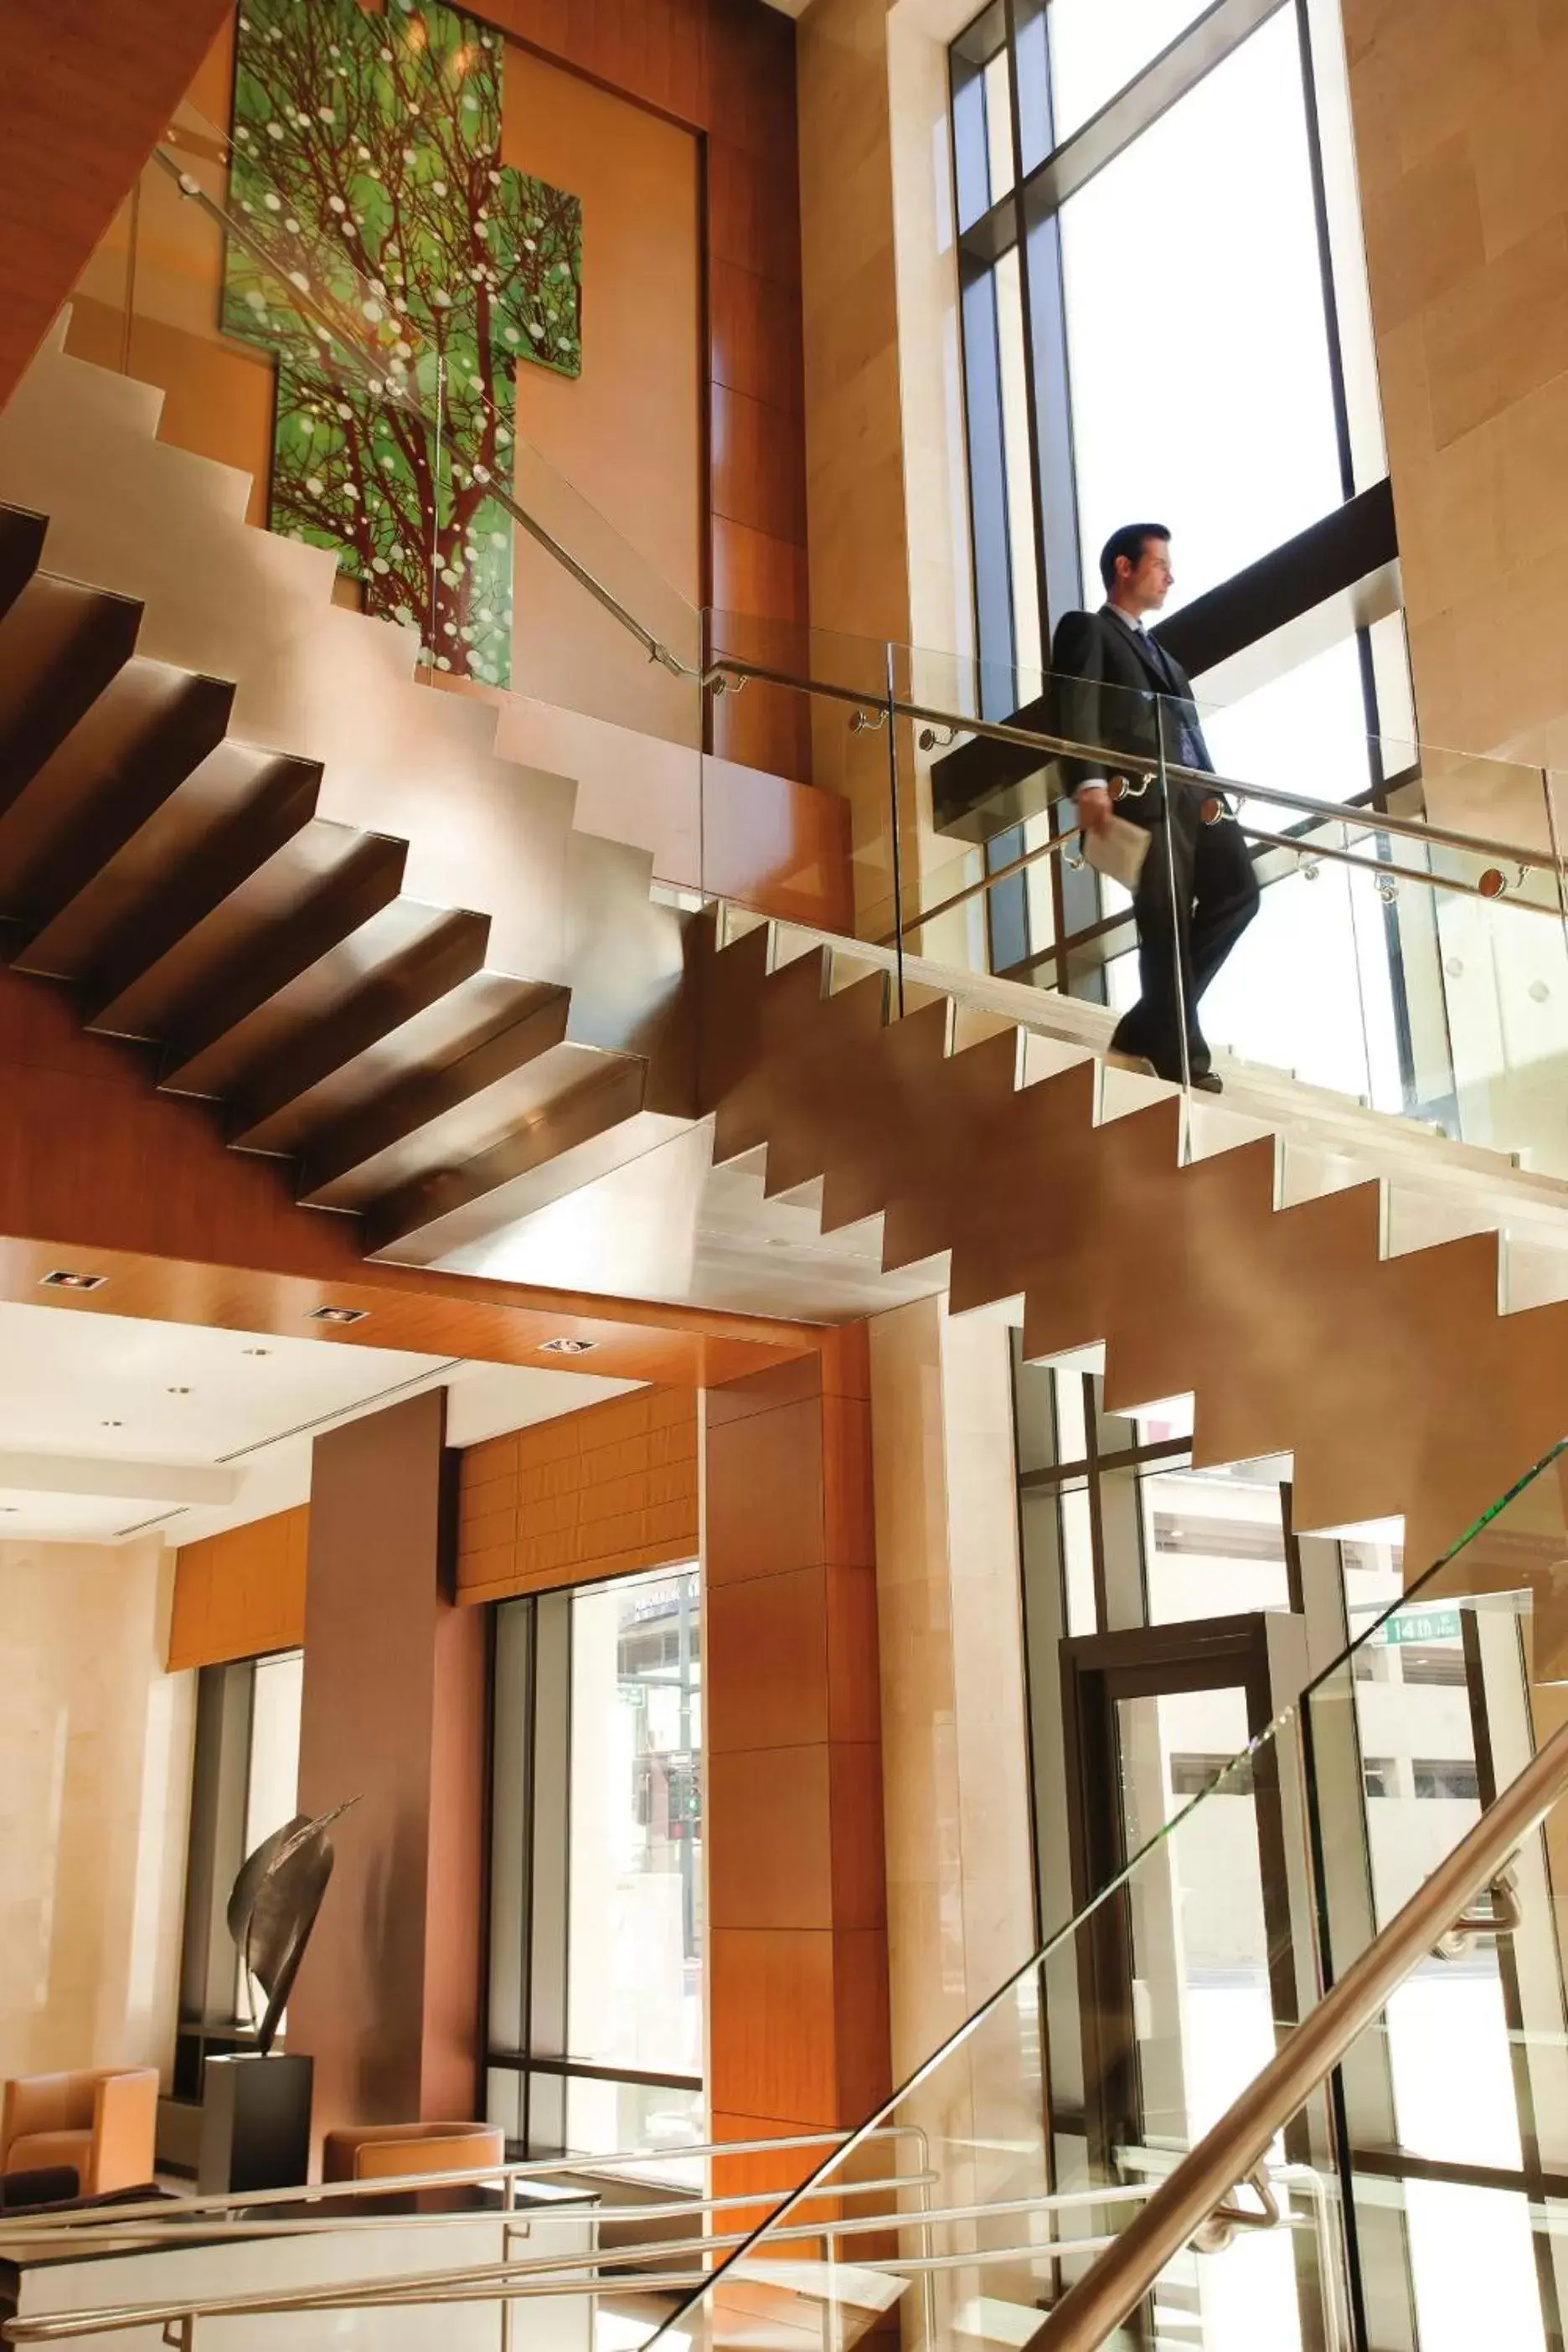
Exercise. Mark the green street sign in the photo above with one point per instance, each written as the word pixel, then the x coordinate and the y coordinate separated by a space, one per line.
pixel 1407 1626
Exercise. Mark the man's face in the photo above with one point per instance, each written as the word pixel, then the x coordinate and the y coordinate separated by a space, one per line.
pixel 1146 583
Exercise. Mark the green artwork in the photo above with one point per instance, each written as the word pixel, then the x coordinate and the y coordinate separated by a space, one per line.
pixel 367 163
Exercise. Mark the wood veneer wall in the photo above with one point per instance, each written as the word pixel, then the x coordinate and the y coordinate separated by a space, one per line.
pixel 393 1714
pixel 241 1593
pixel 797 1902
pixel 606 1492
pixel 89 84
pixel 726 69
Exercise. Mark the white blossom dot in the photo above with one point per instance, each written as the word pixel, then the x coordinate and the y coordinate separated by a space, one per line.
pixel 273 203
pixel 255 300
pixel 336 205
pixel 274 130
pixel 442 663
pixel 315 484
pixel 325 114
pixel 379 563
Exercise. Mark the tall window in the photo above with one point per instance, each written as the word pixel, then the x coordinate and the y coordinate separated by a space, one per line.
pixel 1165 317
pixel 243 1786
pixel 1444 2124
pixel 596 1925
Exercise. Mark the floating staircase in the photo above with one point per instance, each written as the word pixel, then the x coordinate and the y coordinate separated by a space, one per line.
pixel 247 837
pixel 244 834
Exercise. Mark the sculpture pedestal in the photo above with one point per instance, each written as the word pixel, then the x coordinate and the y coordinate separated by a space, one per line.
pixel 256 2124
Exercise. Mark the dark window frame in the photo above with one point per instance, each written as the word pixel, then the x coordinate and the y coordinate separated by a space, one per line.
pixel 1025 217
pixel 527 1927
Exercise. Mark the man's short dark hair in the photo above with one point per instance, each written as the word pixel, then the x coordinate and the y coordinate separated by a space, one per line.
pixel 1130 541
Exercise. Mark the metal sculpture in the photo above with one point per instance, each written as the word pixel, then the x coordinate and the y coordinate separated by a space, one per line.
pixel 274 1905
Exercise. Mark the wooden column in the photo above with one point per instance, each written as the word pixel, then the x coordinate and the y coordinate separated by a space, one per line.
pixel 387 2001
pixel 797 1887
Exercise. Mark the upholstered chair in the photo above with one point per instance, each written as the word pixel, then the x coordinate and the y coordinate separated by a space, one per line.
pixel 394 2151
pixel 101 2124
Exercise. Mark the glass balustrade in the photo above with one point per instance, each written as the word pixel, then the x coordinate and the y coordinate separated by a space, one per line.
pixel 1409 951
pixel 1231 1857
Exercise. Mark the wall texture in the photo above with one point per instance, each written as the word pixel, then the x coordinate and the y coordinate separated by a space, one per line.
pixel 606 1492
pixel 95 1765
pixel 796 1890
pixel 394 1714
pixel 241 1593
pixel 1465 198
pixel 89 85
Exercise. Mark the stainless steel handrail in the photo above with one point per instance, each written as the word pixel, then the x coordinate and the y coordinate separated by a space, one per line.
pixel 248 2202
pixel 562 2273
pixel 1119 2281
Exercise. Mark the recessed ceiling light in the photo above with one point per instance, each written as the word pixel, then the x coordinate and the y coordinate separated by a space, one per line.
pixel 568 1347
pixel 62 1278
pixel 338 1314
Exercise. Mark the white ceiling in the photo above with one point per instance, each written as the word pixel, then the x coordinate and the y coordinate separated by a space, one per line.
pixel 110 1427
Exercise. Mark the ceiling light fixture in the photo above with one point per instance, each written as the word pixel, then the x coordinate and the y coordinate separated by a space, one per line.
pixel 179 1391
pixel 338 1314
pixel 568 1347
pixel 61 1278
pixel 111 1424
pixel 255 1352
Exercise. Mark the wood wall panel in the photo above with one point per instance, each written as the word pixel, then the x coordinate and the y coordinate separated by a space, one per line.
pixel 394 1715
pixel 606 1492
pixel 725 68
pixel 241 1593
pixel 796 1881
pixel 89 84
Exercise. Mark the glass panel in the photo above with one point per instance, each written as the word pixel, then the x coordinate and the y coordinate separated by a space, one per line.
pixel 1214 1545
pixel 1233 445
pixel 271 1793
pixel 635 1930
pixel 603 2118
pixel 1099 45
pixel 1028 2142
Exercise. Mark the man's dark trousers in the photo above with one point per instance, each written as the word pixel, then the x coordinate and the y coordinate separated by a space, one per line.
pixel 1195 895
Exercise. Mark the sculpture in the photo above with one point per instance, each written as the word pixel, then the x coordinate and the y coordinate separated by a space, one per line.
pixel 273 1907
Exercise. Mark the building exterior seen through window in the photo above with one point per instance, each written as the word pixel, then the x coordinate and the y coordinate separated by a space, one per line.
pixel 597 1935
pixel 1165 317
pixel 1132 1561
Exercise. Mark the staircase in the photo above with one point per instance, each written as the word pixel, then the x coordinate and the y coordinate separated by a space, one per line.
pixel 238 829
pixel 232 821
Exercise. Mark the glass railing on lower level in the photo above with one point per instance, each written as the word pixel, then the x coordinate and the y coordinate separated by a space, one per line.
pixel 1416 2194
pixel 1392 2165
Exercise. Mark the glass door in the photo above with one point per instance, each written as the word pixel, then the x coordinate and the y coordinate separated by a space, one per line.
pixel 1192 1971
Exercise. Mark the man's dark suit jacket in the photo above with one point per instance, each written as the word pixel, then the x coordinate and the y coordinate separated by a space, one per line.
pixel 1105 685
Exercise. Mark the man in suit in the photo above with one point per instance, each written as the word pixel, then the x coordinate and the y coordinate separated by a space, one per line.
pixel 1117 690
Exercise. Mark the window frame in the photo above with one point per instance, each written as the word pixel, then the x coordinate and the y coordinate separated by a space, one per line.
pixel 528 1922
pixel 1026 217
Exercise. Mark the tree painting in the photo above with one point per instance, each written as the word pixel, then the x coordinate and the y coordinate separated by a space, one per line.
pixel 367 171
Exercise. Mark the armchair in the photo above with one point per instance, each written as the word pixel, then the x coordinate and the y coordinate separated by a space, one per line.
pixel 101 2124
